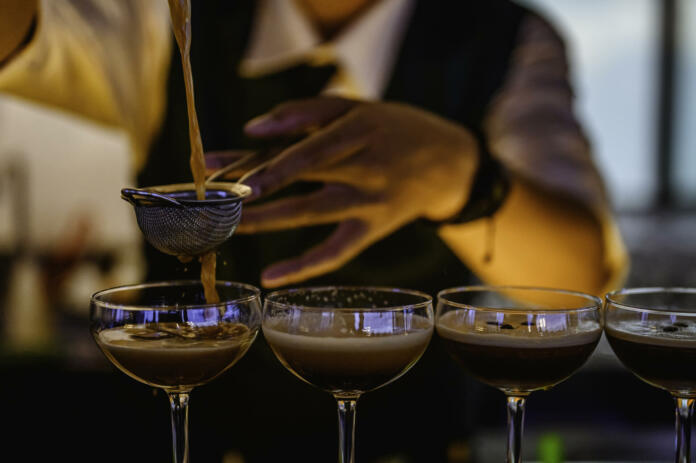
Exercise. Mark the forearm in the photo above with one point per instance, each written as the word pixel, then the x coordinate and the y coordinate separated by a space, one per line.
pixel 16 17
pixel 555 227
pixel 542 240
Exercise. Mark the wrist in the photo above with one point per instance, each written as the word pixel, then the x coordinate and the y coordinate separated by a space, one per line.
pixel 488 191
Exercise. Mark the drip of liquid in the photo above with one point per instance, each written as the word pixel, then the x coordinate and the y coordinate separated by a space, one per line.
pixel 490 241
pixel 181 23
pixel 208 262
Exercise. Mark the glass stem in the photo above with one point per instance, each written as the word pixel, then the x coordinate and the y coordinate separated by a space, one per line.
pixel 346 429
pixel 179 406
pixel 684 411
pixel 515 414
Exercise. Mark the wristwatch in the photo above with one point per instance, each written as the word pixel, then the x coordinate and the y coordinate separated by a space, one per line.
pixel 488 191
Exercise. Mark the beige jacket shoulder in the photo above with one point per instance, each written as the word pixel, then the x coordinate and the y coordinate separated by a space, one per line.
pixel 105 60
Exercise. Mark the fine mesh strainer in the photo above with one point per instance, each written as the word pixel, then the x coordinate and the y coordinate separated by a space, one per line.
pixel 175 222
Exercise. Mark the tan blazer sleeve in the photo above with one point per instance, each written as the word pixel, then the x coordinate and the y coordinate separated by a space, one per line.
pixel 106 60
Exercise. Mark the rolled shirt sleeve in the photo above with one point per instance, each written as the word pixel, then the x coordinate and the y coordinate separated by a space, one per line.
pixel 104 60
pixel 532 129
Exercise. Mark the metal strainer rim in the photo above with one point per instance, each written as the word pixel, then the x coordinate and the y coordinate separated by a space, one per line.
pixel 239 190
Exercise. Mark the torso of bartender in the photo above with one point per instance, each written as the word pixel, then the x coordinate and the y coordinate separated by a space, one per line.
pixel 389 52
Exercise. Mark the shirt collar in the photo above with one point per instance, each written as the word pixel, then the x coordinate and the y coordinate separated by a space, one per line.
pixel 365 51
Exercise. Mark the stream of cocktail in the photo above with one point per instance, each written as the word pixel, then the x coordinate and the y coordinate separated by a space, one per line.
pixel 181 23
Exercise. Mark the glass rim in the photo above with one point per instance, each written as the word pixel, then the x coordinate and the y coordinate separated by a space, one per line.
pixel 316 289
pixel 94 299
pixel 609 298
pixel 498 288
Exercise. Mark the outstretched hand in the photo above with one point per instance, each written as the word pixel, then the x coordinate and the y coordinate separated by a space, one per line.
pixel 382 165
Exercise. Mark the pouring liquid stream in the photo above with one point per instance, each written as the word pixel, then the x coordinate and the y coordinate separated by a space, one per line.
pixel 180 11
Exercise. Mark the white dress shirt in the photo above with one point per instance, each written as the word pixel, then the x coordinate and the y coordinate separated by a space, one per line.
pixel 365 51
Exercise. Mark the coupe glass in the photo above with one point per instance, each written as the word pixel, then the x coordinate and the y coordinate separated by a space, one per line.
pixel 519 340
pixel 653 332
pixel 165 335
pixel 348 341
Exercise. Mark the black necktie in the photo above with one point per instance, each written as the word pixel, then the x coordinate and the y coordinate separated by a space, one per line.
pixel 263 93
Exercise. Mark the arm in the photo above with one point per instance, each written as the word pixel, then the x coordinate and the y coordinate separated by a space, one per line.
pixel 99 59
pixel 385 164
pixel 16 18
pixel 555 228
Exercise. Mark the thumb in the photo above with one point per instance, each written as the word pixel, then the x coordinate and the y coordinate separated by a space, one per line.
pixel 346 242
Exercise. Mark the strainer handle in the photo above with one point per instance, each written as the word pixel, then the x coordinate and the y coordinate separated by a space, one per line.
pixel 129 194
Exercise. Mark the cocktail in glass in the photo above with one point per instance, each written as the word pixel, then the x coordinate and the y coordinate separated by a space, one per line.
pixel 165 335
pixel 653 333
pixel 348 341
pixel 518 340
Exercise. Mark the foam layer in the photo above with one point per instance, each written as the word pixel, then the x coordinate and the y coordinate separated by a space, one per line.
pixel 680 334
pixel 347 344
pixel 519 331
pixel 165 346
pixel 127 339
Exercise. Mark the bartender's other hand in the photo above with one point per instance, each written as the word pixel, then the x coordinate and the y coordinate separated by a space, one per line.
pixel 382 165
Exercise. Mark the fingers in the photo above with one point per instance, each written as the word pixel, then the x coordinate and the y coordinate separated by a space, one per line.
pixel 339 140
pixel 346 242
pixel 298 117
pixel 232 164
pixel 216 160
pixel 332 203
